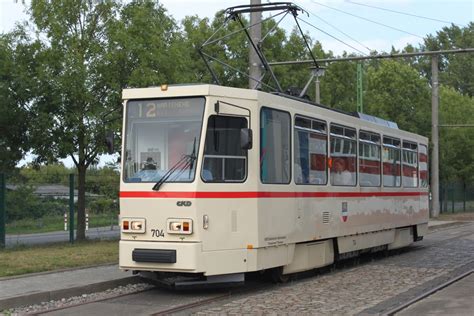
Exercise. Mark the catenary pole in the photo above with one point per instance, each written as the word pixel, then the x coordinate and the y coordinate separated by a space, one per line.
pixel 434 137
pixel 255 65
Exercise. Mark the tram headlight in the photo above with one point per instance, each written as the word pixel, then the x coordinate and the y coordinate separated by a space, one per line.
pixel 180 226
pixel 133 225
pixel 137 225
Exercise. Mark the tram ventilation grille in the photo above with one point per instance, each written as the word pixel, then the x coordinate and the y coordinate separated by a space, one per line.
pixel 326 217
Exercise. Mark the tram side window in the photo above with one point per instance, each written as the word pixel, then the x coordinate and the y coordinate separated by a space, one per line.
pixel 369 159
pixel 343 155
pixel 423 159
pixel 310 151
pixel 409 165
pixel 391 162
pixel 224 159
pixel 275 146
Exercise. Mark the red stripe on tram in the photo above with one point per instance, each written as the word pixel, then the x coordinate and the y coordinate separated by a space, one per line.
pixel 262 194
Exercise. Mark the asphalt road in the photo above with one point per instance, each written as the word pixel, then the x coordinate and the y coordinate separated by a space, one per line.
pixel 60 236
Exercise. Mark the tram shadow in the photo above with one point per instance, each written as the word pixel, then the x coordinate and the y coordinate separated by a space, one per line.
pixel 265 278
pixel 356 259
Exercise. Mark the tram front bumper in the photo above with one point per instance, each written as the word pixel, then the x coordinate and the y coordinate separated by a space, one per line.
pixel 161 256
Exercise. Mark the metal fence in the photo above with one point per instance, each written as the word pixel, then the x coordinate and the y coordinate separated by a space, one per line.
pixel 456 197
pixel 38 207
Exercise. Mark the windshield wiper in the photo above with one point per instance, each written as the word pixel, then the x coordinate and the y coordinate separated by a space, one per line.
pixel 187 161
pixel 192 158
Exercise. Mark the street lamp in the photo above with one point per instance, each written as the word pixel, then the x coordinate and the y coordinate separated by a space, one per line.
pixel 318 72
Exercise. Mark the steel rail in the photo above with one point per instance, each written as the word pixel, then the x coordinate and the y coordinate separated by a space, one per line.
pixel 87 302
pixel 193 304
pixel 428 293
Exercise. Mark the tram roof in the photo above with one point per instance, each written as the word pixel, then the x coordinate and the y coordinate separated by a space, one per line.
pixel 181 90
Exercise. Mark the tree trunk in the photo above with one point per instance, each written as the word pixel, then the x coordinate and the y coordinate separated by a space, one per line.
pixel 81 202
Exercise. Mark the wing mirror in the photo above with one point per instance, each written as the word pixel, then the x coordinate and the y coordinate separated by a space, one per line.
pixel 246 138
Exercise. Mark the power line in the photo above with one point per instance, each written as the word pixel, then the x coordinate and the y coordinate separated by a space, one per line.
pixel 387 56
pixel 337 39
pixel 403 13
pixel 369 20
pixel 337 29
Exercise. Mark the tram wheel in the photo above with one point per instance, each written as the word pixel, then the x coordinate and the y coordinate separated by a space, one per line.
pixel 277 275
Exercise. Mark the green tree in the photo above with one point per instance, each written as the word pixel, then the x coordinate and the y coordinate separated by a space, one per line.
pixel 55 173
pixel 396 92
pixel 456 70
pixel 75 96
pixel 456 143
pixel 146 51
pixel 233 50
pixel 15 60
pixel 338 86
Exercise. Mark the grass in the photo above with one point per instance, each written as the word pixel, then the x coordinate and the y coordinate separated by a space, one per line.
pixel 24 260
pixel 55 223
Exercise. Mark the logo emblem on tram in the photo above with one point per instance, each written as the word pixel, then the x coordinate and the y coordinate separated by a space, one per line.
pixel 184 203
pixel 344 212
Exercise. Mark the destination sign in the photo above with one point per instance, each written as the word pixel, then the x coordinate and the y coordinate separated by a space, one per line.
pixel 165 108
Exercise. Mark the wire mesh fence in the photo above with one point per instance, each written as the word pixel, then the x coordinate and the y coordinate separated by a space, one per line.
pixel 456 197
pixel 37 205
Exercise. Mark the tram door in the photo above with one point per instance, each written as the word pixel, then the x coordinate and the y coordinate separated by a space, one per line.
pixel 277 211
pixel 225 172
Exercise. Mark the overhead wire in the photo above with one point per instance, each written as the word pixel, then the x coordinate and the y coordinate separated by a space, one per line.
pixel 337 29
pixel 337 39
pixel 403 13
pixel 369 20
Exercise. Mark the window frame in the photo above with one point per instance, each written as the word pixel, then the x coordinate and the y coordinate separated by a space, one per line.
pixel 415 151
pixel 204 148
pixel 126 121
pixel 355 139
pixel 399 147
pixel 370 142
pixel 427 166
pixel 311 130
pixel 290 146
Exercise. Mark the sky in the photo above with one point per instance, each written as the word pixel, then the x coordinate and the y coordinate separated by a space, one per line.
pixel 362 35
pixel 345 21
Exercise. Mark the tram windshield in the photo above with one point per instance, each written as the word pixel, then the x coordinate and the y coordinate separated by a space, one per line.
pixel 159 135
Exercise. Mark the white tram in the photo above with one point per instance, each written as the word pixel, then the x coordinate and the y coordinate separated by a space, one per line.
pixel 201 197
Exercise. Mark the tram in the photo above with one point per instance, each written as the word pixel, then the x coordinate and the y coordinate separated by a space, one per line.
pixel 219 181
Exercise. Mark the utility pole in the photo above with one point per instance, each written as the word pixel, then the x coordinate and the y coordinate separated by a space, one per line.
pixel 255 65
pixel 434 137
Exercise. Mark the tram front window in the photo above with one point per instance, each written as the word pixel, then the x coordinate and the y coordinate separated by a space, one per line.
pixel 224 159
pixel 160 134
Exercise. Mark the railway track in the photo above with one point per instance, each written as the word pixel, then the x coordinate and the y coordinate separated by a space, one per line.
pixel 159 301
pixel 428 293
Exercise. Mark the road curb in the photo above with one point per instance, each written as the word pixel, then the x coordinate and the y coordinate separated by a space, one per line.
pixel 27 275
pixel 456 223
pixel 35 298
